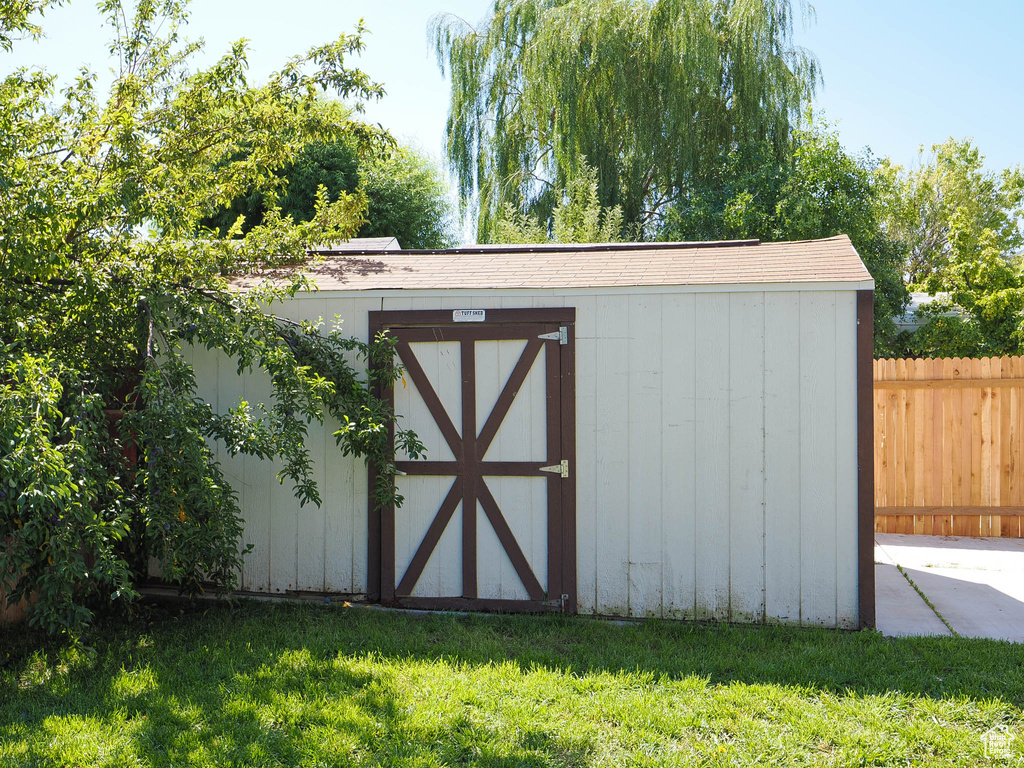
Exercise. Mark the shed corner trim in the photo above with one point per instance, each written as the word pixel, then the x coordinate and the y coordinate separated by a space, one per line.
pixel 865 460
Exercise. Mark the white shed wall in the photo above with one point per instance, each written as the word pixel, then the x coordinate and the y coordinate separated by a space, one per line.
pixel 716 456
pixel 717 453
pixel 296 548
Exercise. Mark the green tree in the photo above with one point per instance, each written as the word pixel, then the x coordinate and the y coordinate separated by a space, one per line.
pixel 333 165
pixel 951 190
pixel 650 93
pixel 736 198
pixel 408 198
pixel 979 311
pixel 103 283
pixel 961 227
pixel 578 217
pixel 829 192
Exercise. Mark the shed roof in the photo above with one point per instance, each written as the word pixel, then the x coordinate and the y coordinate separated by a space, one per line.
pixel 737 262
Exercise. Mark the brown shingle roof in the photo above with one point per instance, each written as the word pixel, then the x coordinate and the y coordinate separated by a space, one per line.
pixel 589 266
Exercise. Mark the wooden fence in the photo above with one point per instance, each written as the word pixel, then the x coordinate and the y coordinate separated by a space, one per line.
pixel 949 446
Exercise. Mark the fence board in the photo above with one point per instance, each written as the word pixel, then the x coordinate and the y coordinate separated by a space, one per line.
pixel 948 445
pixel 921 478
pixel 1010 452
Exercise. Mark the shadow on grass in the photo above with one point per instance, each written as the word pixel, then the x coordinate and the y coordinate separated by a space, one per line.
pixel 267 684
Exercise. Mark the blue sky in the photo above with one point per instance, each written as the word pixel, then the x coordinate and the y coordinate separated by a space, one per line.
pixel 898 74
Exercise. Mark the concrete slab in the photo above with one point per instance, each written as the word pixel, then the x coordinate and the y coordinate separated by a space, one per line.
pixel 899 610
pixel 977 584
pixel 972 603
pixel 957 552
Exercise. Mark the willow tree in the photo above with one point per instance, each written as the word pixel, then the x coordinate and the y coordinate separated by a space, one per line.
pixel 650 93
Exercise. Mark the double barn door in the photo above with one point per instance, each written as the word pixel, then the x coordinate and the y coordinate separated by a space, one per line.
pixel 488 518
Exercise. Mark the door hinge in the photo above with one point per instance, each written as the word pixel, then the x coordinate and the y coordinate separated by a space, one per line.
pixel 561 469
pixel 561 602
pixel 561 335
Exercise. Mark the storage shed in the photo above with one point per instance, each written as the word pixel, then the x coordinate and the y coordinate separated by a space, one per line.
pixel 680 430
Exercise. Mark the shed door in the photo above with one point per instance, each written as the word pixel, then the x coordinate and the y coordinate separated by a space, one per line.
pixel 488 519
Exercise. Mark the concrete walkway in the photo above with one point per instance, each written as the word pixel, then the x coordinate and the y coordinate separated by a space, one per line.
pixel 977 585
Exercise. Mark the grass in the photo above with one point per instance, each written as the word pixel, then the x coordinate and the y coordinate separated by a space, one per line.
pixel 264 684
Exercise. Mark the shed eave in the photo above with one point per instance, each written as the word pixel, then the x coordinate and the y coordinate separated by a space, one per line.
pixel 594 290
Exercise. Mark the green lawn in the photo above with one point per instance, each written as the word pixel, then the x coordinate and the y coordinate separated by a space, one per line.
pixel 265 684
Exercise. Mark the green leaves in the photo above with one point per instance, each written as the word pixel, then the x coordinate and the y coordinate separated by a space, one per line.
pixel 107 462
pixel 16 20
pixel 407 198
pixel 649 93
pixel 961 228
pixel 819 190
pixel 578 217
pixel 61 507
pixel 950 206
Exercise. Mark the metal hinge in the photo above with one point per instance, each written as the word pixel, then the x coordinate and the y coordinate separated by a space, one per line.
pixel 561 335
pixel 559 603
pixel 561 469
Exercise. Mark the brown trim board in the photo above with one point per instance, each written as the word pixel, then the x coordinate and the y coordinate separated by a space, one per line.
pixel 469 485
pixel 865 459
pixel 477 604
pixel 568 486
pixel 373 534
pixel 412 317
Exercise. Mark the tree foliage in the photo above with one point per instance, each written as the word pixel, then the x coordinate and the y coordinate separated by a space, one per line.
pixel 829 192
pixel 103 283
pixel 578 217
pixel 649 93
pixel 961 227
pixel 407 197
pixel 950 202
pixel 332 164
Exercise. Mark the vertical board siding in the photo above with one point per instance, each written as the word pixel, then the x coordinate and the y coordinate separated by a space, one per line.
pixel 612 438
pixel 735 507
pixel 258 477
pixel 712 461
pixel 349 510
pixel 588 523
pixel 678 456
pixel 949 432
pixel 310 520
pixel 818 507
pixel 847 508
pixel 746 457
pixel 716 460
pixel 301 548
pixel 644 415
pixel 783 429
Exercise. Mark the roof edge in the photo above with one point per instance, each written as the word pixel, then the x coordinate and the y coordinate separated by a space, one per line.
pixel 544 248
pixel 561 247
pixel 597 290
